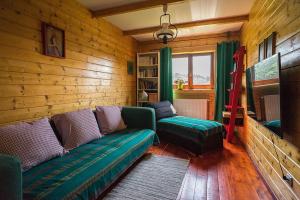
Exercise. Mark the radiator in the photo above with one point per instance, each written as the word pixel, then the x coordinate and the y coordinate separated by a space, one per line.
pixel 197 108
pixel 272 107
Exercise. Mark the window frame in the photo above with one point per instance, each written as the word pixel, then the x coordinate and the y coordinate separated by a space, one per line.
pixel 190 85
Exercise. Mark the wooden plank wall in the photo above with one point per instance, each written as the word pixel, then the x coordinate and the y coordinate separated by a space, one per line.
pixel 282 16
pixel 94 71
pixel 203 43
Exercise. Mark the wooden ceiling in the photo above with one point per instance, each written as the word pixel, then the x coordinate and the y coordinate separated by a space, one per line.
pixel 131 7
pixel 221 20
pixel 136 18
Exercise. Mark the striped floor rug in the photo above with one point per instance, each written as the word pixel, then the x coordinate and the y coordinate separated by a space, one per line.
pixel 154 178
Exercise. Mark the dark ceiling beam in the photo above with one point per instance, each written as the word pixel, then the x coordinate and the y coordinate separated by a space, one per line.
pixel 132 7
pixel 221 20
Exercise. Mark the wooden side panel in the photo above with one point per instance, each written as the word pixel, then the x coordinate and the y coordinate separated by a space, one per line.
pixel 265 148
pixel 94 71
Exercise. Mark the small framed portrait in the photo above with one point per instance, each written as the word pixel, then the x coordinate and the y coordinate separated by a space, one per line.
pixel 271 44
pixel 261 51
pixel 130 67
pixel 53 41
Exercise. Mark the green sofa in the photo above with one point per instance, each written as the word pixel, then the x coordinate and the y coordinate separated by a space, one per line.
pixel 87 171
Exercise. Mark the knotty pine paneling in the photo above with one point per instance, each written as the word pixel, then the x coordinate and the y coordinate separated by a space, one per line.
pixel 283 17
pixel 94 71
pixel 203 43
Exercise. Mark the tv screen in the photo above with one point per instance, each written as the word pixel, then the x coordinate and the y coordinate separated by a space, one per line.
pixel 263 93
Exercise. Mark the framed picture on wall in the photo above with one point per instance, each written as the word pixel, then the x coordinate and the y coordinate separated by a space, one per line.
pixel 261 51
pixel 270 45
pixel 267 47
pixel 130 67
pixel 53 41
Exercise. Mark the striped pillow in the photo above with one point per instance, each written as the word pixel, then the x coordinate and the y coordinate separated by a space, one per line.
pixel 32 143
pixel 76 128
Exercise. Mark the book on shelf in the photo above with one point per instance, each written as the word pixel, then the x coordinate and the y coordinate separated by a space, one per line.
pixel 152 97
pixel 148 60
pixel 145 84
pixel 153 72
pixel 148 67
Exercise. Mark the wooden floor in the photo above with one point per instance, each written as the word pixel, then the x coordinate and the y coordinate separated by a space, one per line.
pixel 226 174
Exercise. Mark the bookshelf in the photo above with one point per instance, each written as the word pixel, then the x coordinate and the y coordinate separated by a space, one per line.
pixel 148 81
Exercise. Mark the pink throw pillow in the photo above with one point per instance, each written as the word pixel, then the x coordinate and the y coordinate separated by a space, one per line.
pixel 33 143
pixel 76 128
pixel 110 119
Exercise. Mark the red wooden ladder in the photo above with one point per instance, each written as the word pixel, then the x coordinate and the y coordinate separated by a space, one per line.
pixel 234 92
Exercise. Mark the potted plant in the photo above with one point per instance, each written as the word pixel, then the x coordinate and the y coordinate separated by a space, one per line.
pixel 180 84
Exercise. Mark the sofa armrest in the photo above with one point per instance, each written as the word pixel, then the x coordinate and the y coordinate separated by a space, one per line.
pixel 139 117
pixel 10 178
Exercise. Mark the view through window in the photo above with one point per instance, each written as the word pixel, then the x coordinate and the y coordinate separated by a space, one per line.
pixel 195 70
pixel 180 69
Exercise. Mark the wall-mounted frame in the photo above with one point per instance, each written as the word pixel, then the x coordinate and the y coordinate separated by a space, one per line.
pixel 53 41
pixel 270 45
pixel 267 47
pixel 130 67
pixel 261 51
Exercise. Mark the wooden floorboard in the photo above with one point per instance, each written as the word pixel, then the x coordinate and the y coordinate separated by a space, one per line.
pixel 226 174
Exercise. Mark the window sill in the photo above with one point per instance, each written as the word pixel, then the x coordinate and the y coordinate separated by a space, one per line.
pixel 210 90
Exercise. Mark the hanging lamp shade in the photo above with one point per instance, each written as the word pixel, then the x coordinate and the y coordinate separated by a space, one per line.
pixel 165 33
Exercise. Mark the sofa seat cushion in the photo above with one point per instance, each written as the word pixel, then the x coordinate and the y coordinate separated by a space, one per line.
pixel 204 133
pixel 85 172
pixel 190 127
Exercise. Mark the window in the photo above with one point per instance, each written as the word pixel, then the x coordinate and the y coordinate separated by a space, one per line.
pixel 196 70
pixel 180 69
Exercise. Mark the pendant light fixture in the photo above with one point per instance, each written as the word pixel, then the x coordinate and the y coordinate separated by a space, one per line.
pixel 165 33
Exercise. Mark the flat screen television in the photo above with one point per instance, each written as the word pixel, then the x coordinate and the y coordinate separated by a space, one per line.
pixel 263 93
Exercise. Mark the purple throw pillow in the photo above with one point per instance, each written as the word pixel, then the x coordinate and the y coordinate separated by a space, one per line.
pixel 109 119
pixel 33 143
pixel 77 128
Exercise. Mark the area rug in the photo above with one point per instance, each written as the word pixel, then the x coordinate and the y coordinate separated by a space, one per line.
pixel 153 178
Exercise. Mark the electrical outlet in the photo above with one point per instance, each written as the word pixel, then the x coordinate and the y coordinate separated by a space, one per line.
pixel 289 179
